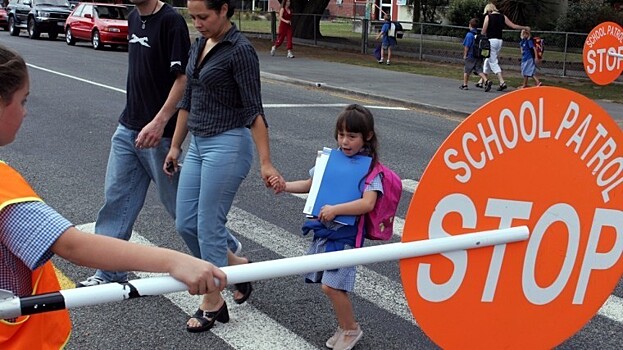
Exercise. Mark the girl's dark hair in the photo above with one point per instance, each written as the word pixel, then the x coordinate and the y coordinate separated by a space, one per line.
pixel 357 118
pixel 13 74
pixel 218 4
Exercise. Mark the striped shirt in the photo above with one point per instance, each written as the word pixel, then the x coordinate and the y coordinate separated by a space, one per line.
pixel 223 91
pixel 27 232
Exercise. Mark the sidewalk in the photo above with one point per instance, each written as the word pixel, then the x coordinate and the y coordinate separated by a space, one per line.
pixel 417 91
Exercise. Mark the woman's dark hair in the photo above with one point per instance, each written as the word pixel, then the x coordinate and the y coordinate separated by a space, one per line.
pixel 357 118
pixel 218 4
pixel 13 74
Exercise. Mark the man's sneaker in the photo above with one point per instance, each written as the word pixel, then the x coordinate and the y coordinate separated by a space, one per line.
pixel 502 87
pixel 488 85
pixel 479 85
pixel 463 87
pixel 290 54
pixel 388 62
pixel 381 61
pixel 91 281
pixel 272 51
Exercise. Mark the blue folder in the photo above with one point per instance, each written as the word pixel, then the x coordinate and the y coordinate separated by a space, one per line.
pixel 342 181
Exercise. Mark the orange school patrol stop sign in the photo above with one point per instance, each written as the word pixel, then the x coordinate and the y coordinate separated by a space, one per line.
pixel 544 157
pixel 602 53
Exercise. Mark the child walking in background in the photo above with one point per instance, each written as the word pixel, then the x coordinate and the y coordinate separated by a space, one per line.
pixel 473 64
pixel 285 29
pixel 529 59
pixel 388 36
pixel 355 135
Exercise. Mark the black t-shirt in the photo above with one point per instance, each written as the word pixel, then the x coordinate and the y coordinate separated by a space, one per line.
pixel 157 54
pixel 495 26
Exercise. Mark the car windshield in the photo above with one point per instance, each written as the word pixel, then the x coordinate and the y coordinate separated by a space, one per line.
pixel 111 12
pixel 52 2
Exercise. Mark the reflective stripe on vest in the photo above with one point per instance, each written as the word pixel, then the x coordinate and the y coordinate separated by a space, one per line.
pixel 44 331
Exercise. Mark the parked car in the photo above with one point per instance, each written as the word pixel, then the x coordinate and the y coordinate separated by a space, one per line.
pixel 4 19
pixel 38 16
pixel 100 23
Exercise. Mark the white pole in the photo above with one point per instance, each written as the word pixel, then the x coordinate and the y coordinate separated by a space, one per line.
pixel 72 298
pixel 614 54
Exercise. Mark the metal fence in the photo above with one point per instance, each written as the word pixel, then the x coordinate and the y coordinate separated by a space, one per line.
pixel 422 41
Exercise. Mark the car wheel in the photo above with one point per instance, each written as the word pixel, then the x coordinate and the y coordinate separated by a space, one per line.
pixel 95 40
pixel 13 30
pixel 69 38
pixel 33 31
pixel 53 35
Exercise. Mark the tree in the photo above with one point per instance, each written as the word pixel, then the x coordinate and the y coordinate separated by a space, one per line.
pixel 307 17
pixel 530 12
pixel 427 8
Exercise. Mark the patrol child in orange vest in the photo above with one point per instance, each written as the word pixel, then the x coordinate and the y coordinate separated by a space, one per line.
pixel 31 232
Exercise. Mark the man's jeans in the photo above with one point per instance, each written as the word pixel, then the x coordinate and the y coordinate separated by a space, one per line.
pixel 128 175
pixel 213 170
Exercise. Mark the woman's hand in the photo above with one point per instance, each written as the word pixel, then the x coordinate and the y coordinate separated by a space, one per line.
pixel 272 178
pixel 170 165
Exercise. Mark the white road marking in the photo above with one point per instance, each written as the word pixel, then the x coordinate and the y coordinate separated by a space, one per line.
pixel 76 78
pixel 267 105
pixel 328 105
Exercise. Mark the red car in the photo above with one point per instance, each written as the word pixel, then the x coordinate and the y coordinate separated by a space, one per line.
pixel 4 20
pixel 101 24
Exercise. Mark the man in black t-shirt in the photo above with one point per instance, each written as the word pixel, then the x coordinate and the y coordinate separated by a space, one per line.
pixel 158 47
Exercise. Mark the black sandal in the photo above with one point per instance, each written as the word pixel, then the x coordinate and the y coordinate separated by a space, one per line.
pixel 208 318
pixel 245 288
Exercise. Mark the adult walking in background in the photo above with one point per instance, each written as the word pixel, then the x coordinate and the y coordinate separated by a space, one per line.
pixel 222 109
pixel 492 27
pixel 157 54
pixel 285 29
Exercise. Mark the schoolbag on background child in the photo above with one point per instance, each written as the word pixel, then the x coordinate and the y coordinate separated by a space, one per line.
pixel 398 31
pixel 378 224
pixel 481 46
pixel 539 44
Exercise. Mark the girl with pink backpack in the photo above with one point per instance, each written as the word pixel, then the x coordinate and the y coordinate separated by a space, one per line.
pixel 355 135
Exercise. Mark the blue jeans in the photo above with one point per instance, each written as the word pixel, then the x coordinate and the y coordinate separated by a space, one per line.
pixel 129 172
pixel 213 170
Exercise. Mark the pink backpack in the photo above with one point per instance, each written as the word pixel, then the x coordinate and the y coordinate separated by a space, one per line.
pixel 379 223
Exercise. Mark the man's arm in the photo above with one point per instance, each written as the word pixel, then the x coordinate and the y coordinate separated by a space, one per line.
pixel 152 133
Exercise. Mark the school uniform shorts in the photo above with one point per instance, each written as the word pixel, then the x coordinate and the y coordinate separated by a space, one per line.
pixel 473 65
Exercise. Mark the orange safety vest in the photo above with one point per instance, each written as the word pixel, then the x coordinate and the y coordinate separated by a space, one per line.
pixel 49 330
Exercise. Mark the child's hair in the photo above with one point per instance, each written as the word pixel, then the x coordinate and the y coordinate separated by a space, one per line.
pixel 13 74
pixel 524 31
pixel 473 23
pixel 357 118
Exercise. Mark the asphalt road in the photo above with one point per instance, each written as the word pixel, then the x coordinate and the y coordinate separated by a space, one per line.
pixel 62 150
